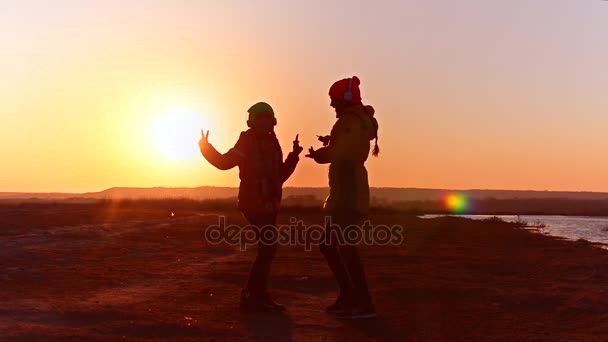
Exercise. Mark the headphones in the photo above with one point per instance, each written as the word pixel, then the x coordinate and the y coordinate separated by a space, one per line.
pixel 274 122
pixel 348 94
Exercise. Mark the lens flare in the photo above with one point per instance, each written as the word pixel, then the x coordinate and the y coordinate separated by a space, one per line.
pixel 456 203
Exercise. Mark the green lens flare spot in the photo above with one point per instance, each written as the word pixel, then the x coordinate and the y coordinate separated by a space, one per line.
pixel 457 203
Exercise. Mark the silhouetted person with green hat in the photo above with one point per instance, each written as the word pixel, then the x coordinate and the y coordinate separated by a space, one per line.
pixel 262 171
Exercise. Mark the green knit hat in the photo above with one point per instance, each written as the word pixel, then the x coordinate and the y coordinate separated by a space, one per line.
pixel 259 108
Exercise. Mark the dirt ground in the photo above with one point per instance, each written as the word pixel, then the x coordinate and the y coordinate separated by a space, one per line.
pixel 80 272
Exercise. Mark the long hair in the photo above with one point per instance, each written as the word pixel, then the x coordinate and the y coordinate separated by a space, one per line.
pixel 376 149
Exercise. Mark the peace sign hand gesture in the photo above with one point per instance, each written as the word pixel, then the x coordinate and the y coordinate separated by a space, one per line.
pixel 204 140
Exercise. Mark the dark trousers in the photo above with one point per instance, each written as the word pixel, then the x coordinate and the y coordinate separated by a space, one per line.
pixel 344 259
pixel 257 283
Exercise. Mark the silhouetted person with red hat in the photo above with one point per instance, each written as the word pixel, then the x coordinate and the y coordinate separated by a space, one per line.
pixel 346 149
pixel 262 171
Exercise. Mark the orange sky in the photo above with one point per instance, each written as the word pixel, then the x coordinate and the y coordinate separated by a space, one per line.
pixel 469 94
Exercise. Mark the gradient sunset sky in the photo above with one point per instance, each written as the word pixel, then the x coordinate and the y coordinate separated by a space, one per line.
pixel 509 94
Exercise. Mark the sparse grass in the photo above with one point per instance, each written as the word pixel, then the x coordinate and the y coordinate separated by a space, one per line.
pixel 494 219
pixel 537 224
pixel 521 222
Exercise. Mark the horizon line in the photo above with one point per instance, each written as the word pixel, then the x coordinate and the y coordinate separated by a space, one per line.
pixel 296 187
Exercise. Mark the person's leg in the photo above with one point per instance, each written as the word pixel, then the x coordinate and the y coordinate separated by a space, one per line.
pixel 266 250
pixel 329 247
pixel 260 270
pixel 351 258
pixel 255 296
pixel 360 304
pixel 266 253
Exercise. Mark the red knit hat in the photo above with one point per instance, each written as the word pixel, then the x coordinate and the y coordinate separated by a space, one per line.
pixel 340 90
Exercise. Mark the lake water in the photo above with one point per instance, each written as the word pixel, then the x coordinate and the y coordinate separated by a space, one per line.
pixel 593 229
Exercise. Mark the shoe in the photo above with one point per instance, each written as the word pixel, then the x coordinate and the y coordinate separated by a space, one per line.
pixel 252 303
pixel 340 305
pixel 269 302
pixel 363 310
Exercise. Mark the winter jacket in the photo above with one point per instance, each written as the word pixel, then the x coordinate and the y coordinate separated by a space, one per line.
pixel 347 151
pixel 261 169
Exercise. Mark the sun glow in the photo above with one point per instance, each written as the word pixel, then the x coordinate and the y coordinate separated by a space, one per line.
pixel 175 133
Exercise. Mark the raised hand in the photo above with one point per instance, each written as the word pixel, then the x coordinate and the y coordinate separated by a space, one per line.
pixel 324 139
pixel 204 139
pixel 297 149
pixel 311 153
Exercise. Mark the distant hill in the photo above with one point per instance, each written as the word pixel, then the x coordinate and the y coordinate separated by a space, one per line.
pixel 378 194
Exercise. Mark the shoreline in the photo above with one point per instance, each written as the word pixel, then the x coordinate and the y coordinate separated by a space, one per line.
pixel 571 228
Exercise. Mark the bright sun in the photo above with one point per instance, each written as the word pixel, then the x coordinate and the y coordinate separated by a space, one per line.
pixel 175 134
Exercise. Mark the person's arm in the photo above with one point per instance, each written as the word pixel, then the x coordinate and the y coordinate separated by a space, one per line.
pixel 224 161
pixel 339 143
pixel 289 166
pixel 291 161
